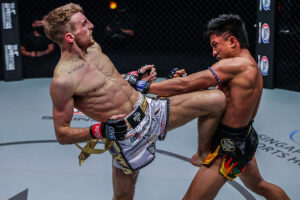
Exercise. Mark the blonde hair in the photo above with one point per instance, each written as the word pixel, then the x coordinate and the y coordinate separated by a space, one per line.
pixel 56 22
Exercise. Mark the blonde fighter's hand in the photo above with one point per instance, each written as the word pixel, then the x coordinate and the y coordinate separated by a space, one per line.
pixel 122 116
pixel 119 116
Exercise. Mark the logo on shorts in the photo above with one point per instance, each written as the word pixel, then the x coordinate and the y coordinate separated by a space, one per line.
pixel 266 4
pixel 227 144
pixel 264 65
pixel 295 136
pixel 265 33
pixel 137 117
pixel 151 148
pixel 139 134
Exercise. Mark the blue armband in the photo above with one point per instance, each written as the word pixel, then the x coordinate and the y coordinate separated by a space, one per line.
pixel 215 75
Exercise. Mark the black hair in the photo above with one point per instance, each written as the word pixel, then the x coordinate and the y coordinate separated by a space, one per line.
pixel 233 24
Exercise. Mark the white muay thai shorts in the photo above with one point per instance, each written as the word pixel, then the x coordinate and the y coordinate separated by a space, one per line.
pixel 148 122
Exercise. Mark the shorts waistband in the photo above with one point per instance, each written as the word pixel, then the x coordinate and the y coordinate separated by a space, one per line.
pixel 236 130
pixel 138 113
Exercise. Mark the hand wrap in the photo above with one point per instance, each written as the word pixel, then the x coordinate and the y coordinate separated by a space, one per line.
pixel 131 79
pixel 139 85
pixel 110 130
pixel 143 86
pixel 138 73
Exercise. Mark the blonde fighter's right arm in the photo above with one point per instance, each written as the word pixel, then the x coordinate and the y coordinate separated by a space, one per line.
pixel 63 108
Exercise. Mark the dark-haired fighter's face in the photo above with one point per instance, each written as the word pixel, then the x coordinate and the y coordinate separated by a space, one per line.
pixel 221 47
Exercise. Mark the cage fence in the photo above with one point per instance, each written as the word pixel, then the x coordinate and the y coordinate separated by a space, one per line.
pixel 167 33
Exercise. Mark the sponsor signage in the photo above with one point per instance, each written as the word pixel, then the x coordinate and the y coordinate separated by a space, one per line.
pixel 295 137
pixel 265 33
pixel 287 151
pixel 266 40
pixel 263 64
pixel 10 51
pixel 78 116
pixel 10 40
pixel 265 5
pixel 8 9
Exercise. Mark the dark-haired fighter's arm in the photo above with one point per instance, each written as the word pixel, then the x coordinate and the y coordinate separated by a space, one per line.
pixel 225 70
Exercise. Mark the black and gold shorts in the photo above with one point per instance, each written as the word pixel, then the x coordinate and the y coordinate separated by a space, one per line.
pixel 237 147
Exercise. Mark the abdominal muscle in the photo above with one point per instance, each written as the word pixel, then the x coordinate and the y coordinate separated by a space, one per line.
pixel 241 106
pixel 114 98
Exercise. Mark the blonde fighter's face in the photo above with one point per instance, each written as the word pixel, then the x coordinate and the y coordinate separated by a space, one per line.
pixel 83 30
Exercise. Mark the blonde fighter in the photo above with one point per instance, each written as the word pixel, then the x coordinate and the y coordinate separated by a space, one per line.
pixel 85 78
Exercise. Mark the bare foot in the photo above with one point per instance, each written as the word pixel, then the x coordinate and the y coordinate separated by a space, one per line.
pixel 197 160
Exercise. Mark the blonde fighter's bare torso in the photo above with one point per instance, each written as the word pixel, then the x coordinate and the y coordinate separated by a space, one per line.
pixel 98 90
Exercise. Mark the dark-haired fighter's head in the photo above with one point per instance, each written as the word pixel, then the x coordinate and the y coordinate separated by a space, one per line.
pixel 227 35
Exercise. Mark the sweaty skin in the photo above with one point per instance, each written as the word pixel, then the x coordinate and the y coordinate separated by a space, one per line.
pixel 98 89
pixel 89 82
pixel 85 78
pixel 241 82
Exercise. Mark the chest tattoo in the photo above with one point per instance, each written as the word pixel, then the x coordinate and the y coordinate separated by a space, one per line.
pixel 76 68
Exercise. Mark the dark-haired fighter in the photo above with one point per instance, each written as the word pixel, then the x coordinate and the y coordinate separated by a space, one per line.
pixel 235 141
pixel 86 79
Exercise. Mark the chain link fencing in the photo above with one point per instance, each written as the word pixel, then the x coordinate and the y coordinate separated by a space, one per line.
pixel 287 47
pixel 167 33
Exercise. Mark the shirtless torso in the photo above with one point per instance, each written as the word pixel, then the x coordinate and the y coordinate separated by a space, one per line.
pixel 86 79
pixel 239 78
pixel 91 84
pixel 242 87
pixel 241 82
